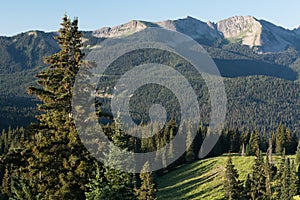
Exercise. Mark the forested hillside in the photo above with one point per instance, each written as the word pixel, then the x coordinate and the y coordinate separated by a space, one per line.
pixel 49 159
pixel 254 82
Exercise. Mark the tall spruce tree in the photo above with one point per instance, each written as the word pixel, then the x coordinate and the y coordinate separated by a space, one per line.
pixel 278 178
pixel 59 166
pixel 147 190
pixel 285 180
pixel 269 178
pixel 254 143
pixel 280 139
pixel 119 185
pixel 190 152
pixel 6 184
pixel 247 188
pixel 232 185
pixel 293 182
pixel 298 178
pixel 95 185
pixel 258 178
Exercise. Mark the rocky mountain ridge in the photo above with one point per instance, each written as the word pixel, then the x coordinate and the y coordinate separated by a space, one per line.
pixel 261 35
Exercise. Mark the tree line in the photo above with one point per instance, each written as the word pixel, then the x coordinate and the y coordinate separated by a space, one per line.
pixel 47 160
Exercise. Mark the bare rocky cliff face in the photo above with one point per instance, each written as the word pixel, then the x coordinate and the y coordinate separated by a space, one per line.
pixel 246 30
pixel 119 31
pixel 192 27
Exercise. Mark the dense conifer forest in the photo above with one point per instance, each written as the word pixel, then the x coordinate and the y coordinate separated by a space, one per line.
pixel 42 156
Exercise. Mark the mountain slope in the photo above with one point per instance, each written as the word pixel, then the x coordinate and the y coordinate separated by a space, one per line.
pixel 247 30
pixel 202 179
pixel 244 68
pixel 25 51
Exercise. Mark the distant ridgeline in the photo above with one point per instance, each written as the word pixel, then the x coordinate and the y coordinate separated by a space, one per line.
pixel 261 77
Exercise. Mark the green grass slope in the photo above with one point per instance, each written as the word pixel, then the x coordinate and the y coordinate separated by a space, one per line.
pixel 202 179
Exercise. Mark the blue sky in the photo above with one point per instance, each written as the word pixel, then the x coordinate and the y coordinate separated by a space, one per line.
pixel 19 16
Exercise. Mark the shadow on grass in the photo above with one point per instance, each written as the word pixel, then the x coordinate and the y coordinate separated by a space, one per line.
pixel 186 179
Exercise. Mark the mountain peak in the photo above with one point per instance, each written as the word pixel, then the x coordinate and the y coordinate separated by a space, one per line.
pixel 121 30
pixel 246 29
pixel 192 27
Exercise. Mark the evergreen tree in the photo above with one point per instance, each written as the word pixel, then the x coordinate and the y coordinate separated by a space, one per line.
pixel 118 185
pixel 285 180
pixel 298 179
pixel 21 189
pixel 248 150
pixel 60 165
pixel 95 185
pixel 6 184
pixel 254 143
pixel 273 140
pixel 171 150
pixel 293 190
pixel 278 178
pixel 234 141
pixel 247 188
pixel 245 137
pixel 233 187
pixel 293 143
pixel 190 153
pixel 258 179
pixel 280 139
pixel 264 142
pixel 147 191
pixel 269 177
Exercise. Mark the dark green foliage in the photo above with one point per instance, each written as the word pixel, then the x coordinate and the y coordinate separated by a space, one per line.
pixel 109 181
pixel 234 138
pixel 118 184
pixel 247 188
pixel 292 142
pixel 190 155
pixel 254 143
pixel 298 178
pixel 276 99
pixel 232 185
pixel 268 169
pixel 285 180
pixel 21 189
pixel 95 185
pixel 17 111
pixel 59 166
pixel 248 150
pixel 11 139
pixel 263 142
pixel 285 140
pixel 6 184
pixel 50 162
pixel 281 139
pixel 293 190
pixel 147 190
pixel 258 178
pixel 278 178
pixel 286 183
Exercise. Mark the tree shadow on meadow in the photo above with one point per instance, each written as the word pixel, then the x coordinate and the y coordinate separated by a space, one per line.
pixel 186 180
